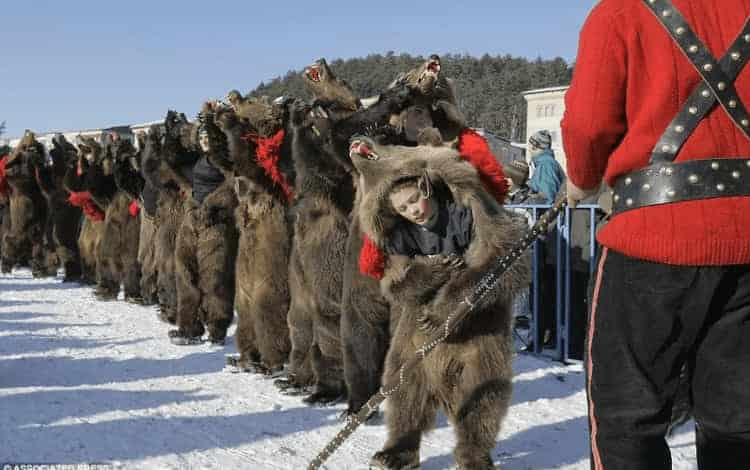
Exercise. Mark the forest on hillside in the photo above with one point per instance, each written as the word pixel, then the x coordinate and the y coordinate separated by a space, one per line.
pixel 488 88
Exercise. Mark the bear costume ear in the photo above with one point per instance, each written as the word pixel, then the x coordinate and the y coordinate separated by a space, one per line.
pixel 425 185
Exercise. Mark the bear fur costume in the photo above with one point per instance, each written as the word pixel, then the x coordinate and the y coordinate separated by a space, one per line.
pixel 325 197
pixel 323 202
pixel 147 203
pixel 4 212
pixel 259 149
pixel 64 218
pixel 434 117
pixel 46 178
pixel 25 240
pixel 167 166
pixel 206 249
pixel 123 222
pixel 92 221
pixel 469 376
pixel 96 181
pixel 364 312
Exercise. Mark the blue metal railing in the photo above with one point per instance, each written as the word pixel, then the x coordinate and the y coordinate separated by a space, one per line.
pixel 563 307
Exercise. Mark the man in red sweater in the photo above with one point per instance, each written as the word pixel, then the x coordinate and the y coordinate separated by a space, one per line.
pixel 657 109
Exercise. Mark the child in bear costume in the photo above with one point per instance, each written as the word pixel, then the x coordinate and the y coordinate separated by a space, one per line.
pixel 441 230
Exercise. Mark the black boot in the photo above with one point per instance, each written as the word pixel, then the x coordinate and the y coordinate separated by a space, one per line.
pixel 106 293
pixel 325 395
pixel 180 338
pixel 290 386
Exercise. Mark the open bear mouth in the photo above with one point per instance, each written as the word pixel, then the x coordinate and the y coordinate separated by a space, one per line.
pixel 431 72
pixel 313 73
pixel 362 150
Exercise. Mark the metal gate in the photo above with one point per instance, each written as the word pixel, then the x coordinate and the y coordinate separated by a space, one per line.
pixel 567 258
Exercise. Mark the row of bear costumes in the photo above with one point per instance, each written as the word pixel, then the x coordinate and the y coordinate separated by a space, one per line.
pixel 284 212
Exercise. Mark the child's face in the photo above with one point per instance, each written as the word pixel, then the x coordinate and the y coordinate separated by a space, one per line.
pixel 412 204
pixel 203 141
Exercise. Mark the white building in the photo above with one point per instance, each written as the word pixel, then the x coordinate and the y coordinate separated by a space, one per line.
pixel 545 109
pixel 146 126
pixel 127 132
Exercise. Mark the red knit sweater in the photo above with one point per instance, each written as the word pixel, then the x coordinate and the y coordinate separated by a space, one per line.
pixel 630 81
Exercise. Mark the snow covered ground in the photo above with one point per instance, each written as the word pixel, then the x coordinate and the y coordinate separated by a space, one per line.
pixel 86 381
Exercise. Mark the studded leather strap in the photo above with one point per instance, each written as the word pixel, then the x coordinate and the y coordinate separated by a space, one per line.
pixel 668 182
pixel 718 80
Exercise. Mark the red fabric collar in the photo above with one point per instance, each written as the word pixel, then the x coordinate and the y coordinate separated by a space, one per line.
pixel 474 149
pixel 268 154
pixel 4 188
pixel 134 209
pixel 83 200
pixel 371 259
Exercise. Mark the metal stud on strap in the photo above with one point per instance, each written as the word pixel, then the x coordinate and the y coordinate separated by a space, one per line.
pixel 718 80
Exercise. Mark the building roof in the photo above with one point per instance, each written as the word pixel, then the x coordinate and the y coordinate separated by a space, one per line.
pixel 145 125
pixel 545 90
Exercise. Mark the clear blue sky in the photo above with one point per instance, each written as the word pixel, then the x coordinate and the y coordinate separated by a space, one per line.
pixel 68 65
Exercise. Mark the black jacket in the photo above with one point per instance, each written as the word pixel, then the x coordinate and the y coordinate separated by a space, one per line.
pixel 448 233
pixel 206 178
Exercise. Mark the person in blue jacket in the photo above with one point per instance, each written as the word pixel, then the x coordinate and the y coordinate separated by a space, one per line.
pixel 544 184
pixel 548 175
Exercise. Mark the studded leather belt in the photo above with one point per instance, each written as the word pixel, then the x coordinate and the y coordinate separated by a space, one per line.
pixel 664 183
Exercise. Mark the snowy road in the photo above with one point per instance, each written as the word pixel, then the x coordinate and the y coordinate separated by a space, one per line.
pixel 87 381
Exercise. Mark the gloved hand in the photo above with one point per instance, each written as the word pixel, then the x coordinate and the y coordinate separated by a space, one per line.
pixel 576 194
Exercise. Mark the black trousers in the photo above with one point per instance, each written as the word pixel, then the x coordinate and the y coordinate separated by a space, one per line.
pixel 546 276
pixel 647 320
